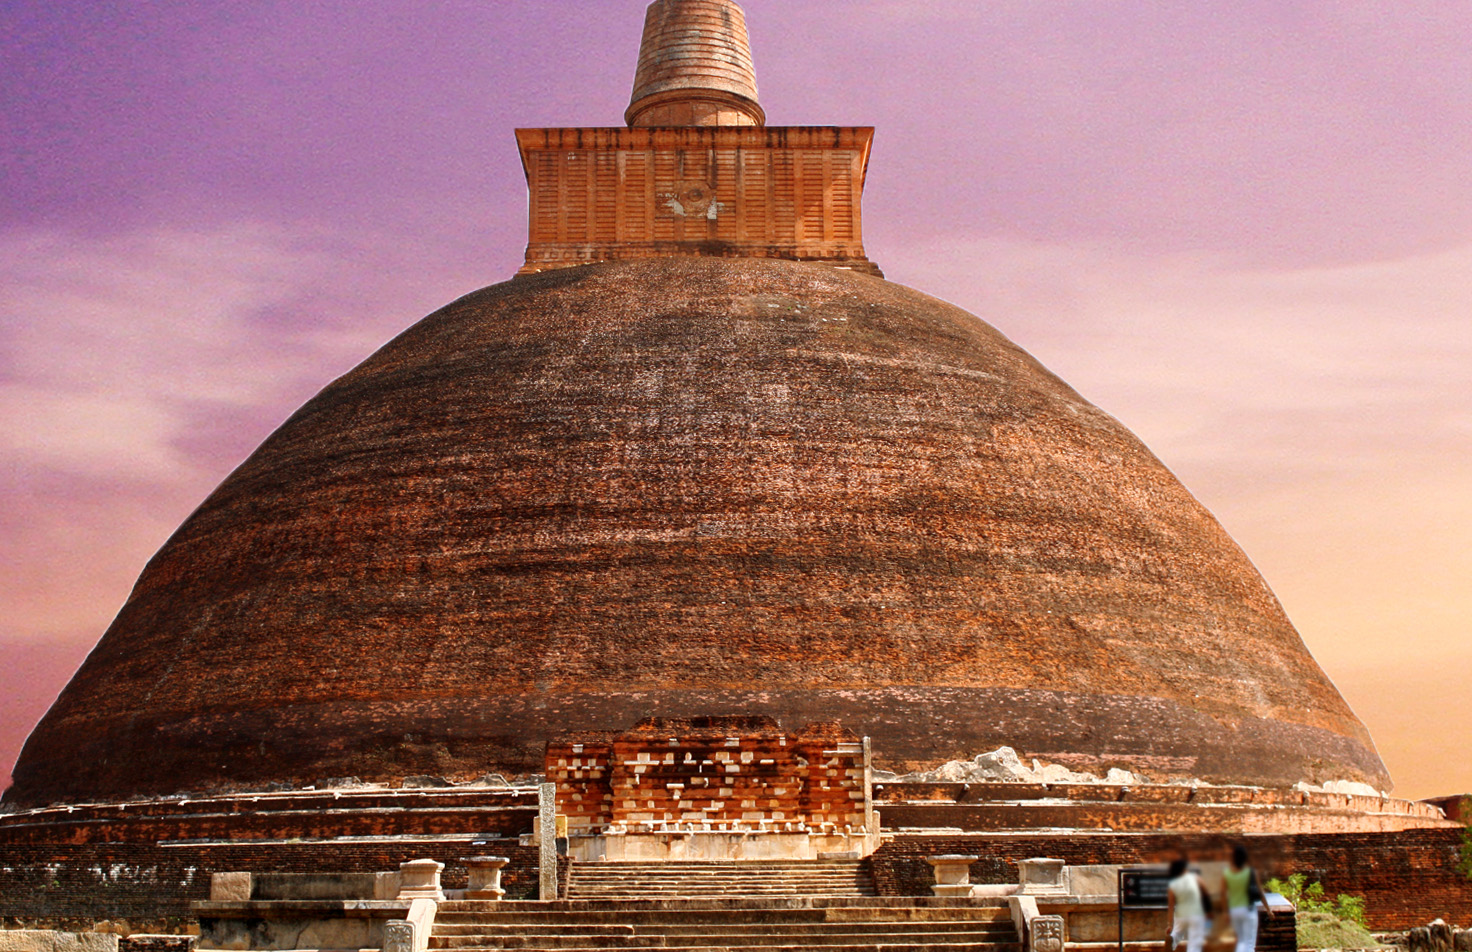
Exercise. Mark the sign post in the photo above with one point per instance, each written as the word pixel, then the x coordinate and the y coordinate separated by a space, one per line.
pixel 1142 887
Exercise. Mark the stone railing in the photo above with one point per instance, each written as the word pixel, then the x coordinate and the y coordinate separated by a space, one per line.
pixel 420 884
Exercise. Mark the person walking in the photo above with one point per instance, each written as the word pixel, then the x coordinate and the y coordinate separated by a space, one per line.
pixel 1187 904
pixel 1242 894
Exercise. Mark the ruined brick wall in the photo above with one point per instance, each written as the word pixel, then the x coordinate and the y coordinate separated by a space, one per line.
pixel 1407 878
pixel 145 882
pixel 710 773
pixel 1455 807
pixel 1277 933
pixel 298 815
pixel 158 943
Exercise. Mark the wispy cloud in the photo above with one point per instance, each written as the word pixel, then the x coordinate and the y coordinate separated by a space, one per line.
pixel 1324 414
pixel 136 370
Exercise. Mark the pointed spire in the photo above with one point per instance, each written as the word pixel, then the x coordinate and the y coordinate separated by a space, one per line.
pixel 695 67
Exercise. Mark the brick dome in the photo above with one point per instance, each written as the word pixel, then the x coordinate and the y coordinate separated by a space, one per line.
pixel 681 487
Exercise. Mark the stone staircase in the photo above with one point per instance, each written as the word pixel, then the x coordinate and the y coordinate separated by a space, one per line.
pixel 719 880
pixel 831 925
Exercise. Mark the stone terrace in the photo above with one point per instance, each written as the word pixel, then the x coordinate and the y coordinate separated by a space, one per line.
pixel 1146 808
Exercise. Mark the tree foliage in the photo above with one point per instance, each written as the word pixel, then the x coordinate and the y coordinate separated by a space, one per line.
pixel 1464 855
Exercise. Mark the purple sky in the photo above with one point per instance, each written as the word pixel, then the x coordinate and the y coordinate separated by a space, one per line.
pixel 1244 228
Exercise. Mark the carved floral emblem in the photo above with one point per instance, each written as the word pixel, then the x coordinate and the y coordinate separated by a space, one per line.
pixel 1047 934
pixel 693 199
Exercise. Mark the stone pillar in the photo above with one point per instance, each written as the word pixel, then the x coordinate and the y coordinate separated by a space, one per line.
pixel 869 825
pixel 952 874
pixel 547 840
pixel 485 877
pixel 421 880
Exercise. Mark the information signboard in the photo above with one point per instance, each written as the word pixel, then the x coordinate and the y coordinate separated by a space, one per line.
pixel 1142 887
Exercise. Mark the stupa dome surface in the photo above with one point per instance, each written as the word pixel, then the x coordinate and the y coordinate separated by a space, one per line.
pixel 691 486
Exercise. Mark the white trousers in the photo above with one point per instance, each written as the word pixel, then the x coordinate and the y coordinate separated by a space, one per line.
pixel 1244 924
pixel 1190 928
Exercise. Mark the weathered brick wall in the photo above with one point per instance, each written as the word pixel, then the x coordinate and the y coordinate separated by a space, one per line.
pixel 302 815
pixel 137 881
pixel 735 531
pixel 1407 878
pixel 980 793
pixel 1143 817
pixel 716 772
pixel 1277 933
pixel 158 943
pixel 581 770
pixel 1455 807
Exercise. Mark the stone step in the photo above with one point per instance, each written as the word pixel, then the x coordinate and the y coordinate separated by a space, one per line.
pixel 815 909
pixel 449 932
pixel 719 879
pixel 739 878
pixel 800 946
pixel 689 894
pixel 677 912
pixel 722 885
pixel 600 877
pixel 713 883
pixel 825 941
pixel 732 881
pixel 715 863
pixel 613 869
pixel 610 871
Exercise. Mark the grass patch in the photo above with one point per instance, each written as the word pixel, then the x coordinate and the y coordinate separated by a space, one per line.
pixel 1324 930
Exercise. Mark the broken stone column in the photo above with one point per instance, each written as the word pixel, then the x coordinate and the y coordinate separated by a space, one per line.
pixel 420 879
pixel 1040 876
pixel 952 874
pixel 485 877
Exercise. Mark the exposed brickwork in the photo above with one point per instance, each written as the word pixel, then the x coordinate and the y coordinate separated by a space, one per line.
pixel 1278 933
pixel 301 815
pixel 612 194
pixel 681 487
pixel 1455 807
pixel 718 773
pixel 158 943
pixel 1407 878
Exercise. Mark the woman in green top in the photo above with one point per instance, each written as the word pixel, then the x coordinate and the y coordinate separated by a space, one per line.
pixel 1240 894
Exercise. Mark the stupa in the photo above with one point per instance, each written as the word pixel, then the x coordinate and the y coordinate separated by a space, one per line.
pixel 699 458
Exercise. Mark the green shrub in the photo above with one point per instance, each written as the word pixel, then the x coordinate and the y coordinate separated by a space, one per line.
pixel 1324 923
